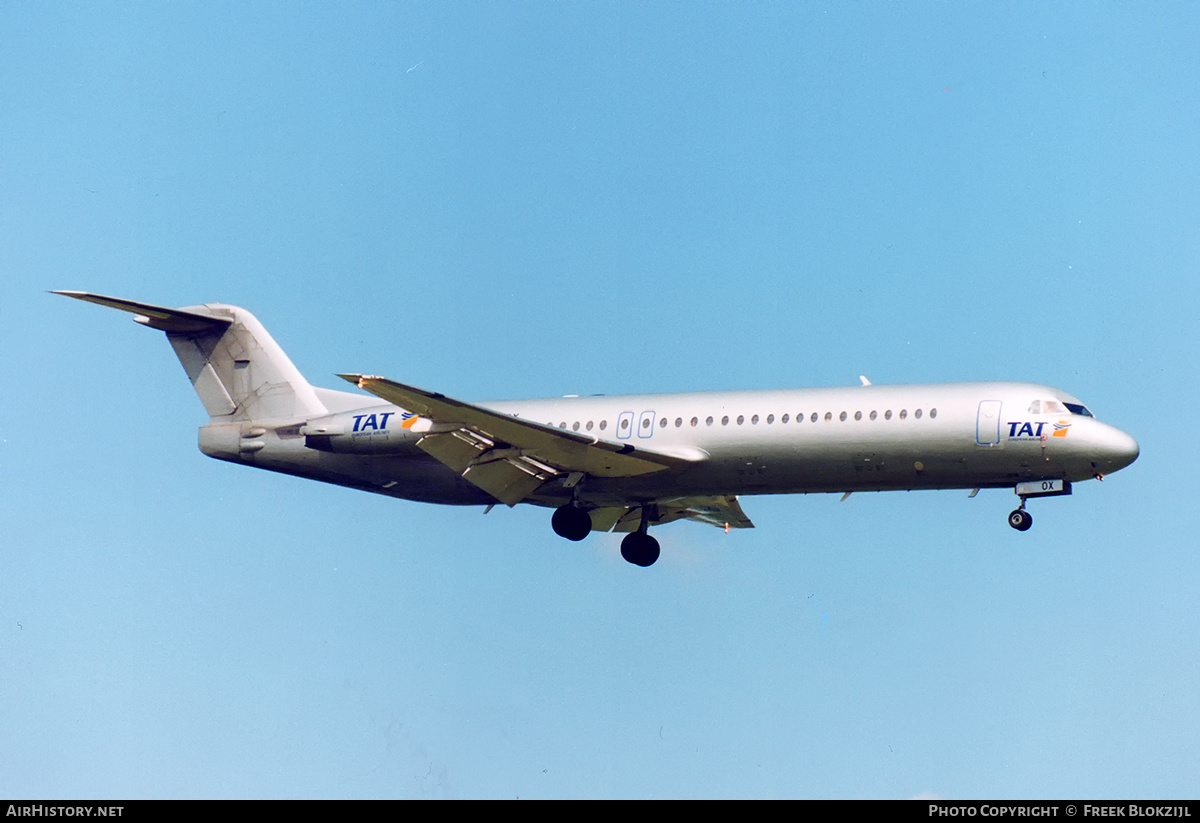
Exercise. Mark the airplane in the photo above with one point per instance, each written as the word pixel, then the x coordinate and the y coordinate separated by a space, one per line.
pixel 626 463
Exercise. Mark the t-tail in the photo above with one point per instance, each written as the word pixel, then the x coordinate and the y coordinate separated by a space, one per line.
pixel 240 373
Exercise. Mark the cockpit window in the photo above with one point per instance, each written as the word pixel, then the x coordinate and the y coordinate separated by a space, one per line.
pixel 1049 407
pixel 1076 408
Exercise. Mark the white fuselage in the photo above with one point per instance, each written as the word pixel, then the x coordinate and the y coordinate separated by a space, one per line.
pixel 960 435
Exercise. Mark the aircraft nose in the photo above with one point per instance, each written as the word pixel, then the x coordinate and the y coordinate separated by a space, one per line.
pixel 1117 450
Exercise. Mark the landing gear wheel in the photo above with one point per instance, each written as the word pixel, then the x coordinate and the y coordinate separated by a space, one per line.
pixel 639 549
pixel 571 522
pixel 1020 520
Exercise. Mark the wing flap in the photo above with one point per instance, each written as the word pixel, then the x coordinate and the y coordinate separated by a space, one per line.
pixel 722 511
pixel 455 449
pixel 605 519
pixel 509 479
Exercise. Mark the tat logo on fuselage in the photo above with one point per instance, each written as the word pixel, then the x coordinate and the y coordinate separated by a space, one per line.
pixel 1036 431
pixel 378 422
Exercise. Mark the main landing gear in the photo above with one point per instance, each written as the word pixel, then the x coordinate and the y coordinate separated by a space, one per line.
pixel 574 523
pixel 639 548
pixel 571 522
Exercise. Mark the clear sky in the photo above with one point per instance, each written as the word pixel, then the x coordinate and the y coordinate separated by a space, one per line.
pixel 534 199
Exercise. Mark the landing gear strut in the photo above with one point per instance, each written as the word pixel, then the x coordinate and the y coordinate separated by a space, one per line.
pixel 1020 519
pixel 638 547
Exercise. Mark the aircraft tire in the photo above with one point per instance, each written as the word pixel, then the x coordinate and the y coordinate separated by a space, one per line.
pixel 1020 520
pixel 640 549
pixel 571 522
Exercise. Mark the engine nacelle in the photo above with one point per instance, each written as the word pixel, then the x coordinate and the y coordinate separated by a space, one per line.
pixel 387 430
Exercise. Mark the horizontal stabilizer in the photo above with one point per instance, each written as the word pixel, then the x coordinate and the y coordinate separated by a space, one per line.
pixel 156 317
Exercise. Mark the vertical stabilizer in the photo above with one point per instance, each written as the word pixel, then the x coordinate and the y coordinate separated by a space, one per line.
pixel 238 370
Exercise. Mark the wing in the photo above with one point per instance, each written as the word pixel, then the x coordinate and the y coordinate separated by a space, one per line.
pixel 508 456
pixel 720 511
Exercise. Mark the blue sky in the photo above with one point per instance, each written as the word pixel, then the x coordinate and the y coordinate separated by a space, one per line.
pixel 534 199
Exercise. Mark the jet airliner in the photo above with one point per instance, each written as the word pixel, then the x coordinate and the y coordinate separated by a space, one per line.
pixel 626 463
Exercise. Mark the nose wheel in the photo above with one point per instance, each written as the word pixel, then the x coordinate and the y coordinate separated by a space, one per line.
pixel 1020 519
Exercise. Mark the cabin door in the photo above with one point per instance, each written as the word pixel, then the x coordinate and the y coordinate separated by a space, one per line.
pixel 987 424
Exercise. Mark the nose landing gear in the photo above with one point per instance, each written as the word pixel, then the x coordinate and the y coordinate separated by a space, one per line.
pixel 1020 519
